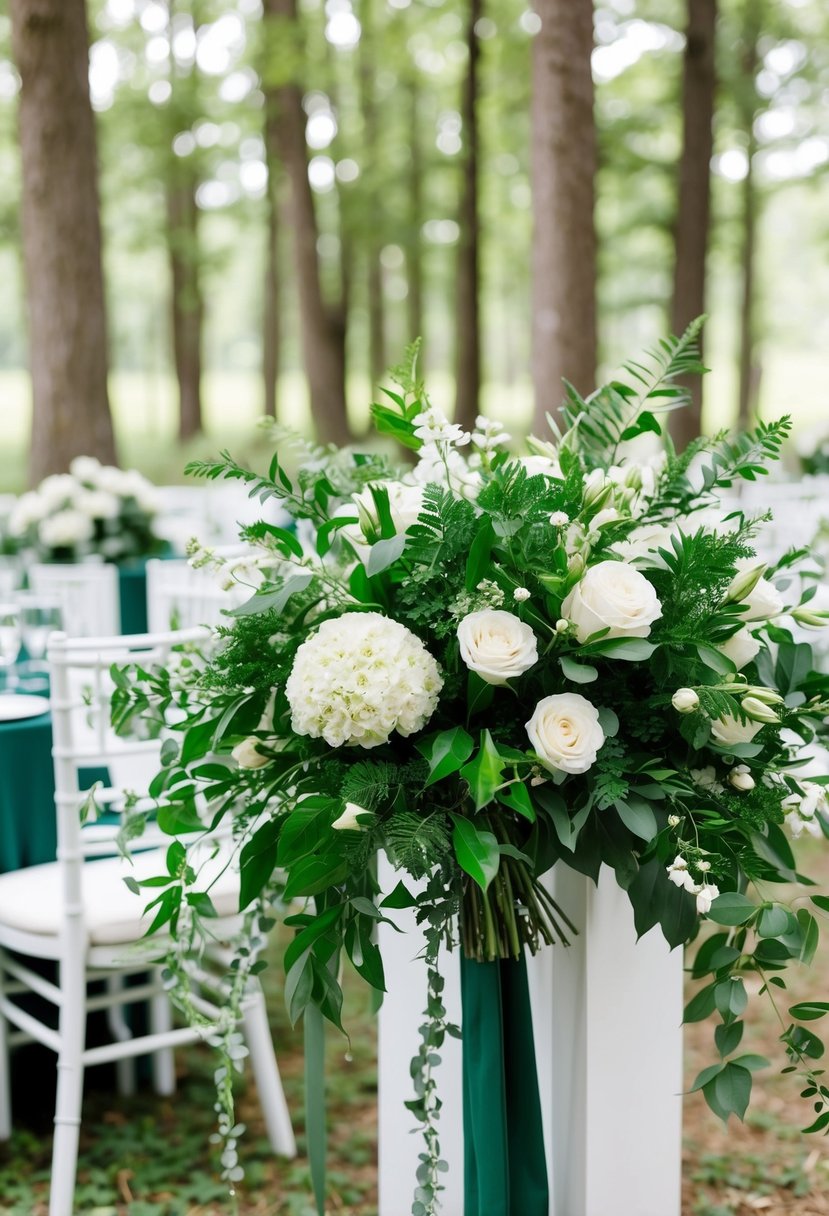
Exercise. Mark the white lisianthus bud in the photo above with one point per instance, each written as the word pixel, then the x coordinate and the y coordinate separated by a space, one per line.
pixel 559 519
pixel 247 754
pixel 562 625
pixel 608 516
pixel 685 701
pixel 348 821
pixel 706 895
pixel 758 711
pixel 596 488
pixel 744 581
pixel 497 645
pixel 674 821
pixel 520 594
pixel 810 617
pixel 741 648
pixel 565 733
pixel 576 565
pixel 704 866
pixel 740 777
pixel 767 695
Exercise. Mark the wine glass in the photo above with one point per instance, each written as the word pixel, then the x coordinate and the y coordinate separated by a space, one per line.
pixel 38 620
pixel 9 640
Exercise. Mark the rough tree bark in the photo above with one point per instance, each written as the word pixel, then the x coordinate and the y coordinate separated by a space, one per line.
pixel 374 269
pixel 322 329
pixel 749 376
pixel 414 244
pixel 187 305
pixel 61 236
pixel 694 209
pixel 271 320
pixel 563 172
pixel 468 325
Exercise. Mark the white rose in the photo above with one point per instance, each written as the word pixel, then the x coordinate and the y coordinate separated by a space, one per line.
pixel 247 754
pixel 762 598
pixel 741 648
pixel 348 821
pixel 613 596
pixel 685 701
pixel 565 733
pixel 497 645
pixel 729 730
pixel 645 539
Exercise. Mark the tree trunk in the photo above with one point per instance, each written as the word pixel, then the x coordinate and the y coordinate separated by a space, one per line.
pixel 749 382
pixel 187 304
pixel 322 329
pixel 563 173
pixel 694 209
pixel 468 331
pixel 414 245
pixel 377 360
pixel 272 330
pixel 61 236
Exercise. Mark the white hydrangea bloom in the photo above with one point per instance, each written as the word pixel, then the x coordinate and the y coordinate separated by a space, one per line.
pixel 58 490
pixel 29 509
pixel 98 504
pixel 85 468
pixel 65 529
pixel 360 677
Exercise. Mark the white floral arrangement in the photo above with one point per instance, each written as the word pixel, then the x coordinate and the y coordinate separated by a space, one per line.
pixel 94 509
pixel 490 664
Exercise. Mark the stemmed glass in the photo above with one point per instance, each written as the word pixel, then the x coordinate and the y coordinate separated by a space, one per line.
pixel 9 640
pixel 38 620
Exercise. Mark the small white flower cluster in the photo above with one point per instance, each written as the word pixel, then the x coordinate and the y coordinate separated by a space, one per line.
pixel 705 892
pixel 487 594
pixel 443 465
pixel 64 509
pixel 804 810
pixel 489 435
pixel 360 677
pixel 432 426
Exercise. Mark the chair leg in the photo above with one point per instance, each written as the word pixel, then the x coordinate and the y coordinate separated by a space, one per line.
pixel 164 1066
pixel 266 1073
pixel 5 1068
pixel 70 1091
pixel 121 1031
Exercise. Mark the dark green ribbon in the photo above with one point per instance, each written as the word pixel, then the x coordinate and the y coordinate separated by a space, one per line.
pixel 505 1164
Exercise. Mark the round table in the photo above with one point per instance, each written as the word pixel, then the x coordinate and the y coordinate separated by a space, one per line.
pixel 27 793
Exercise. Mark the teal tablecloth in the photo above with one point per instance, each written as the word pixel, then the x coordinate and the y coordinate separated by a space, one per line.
pixel 27 794
pixel 132 584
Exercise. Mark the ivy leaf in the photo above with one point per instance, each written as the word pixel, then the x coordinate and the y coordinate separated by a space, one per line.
pixel 477 851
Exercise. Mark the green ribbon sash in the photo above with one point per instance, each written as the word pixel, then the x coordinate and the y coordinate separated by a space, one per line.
pixel 505 1165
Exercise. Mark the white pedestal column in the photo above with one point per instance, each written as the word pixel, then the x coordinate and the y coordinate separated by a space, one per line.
pixel 606 1017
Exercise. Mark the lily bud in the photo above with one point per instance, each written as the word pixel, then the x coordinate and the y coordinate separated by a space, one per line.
pixel 757 711
pixel 685 701
pixel 596 489
pixel 767 695
pixel 576 564
pixel 744 583
pixel 741 778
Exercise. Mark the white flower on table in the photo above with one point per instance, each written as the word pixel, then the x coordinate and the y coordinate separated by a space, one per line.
pixel 612 596
pixel 98 504
pixel 29 509
pixel 58 490
pixel 85 468
pixel 498 646
pixel 360 677
pixel 565 733
pixel 65 529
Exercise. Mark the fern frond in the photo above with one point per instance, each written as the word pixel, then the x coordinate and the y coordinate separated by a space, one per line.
pixel 418 842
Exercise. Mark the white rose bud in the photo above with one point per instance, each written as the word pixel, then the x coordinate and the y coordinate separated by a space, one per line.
pixel 612 596
pixel 565 733
pixel 348 821
pixel 497 645
pixel 729 730
pixel 559 519
pixel 741 648
pixel 685 701
pixel 758 711
pixel 740 777
pixel 520 595
pixel 562 625
pixel 247 754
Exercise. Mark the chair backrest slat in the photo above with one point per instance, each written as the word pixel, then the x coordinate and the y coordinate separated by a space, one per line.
pixel 87 593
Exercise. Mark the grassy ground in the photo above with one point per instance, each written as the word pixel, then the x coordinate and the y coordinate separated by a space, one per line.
pixel 144 410
pixel 149 1156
